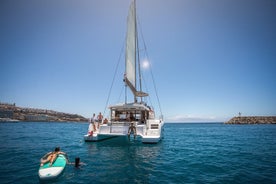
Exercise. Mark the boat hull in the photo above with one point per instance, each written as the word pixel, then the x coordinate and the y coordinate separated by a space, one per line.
pixel 97 137
pixel 151 139
pixel 144 134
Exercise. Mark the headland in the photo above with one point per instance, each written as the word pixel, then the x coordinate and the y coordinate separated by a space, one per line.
pixel 11 112
pixel 252 120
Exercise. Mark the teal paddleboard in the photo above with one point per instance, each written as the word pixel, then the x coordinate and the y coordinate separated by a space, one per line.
pixel 49 172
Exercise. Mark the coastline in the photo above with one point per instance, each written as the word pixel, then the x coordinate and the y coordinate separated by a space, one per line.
pixel 252 120
pixel 13 113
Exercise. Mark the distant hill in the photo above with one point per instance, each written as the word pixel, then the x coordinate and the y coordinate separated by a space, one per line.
pixel 252 120
pixel 10 112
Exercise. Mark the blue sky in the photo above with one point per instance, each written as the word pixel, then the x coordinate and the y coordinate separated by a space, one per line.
pixel 211 58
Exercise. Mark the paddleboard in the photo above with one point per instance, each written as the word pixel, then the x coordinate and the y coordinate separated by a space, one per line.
pixel 49 172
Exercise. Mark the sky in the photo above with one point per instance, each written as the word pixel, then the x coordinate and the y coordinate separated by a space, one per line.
pixel 211 59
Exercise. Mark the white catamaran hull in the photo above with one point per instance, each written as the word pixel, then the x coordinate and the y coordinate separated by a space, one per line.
pixel 97 137
pixel 148 133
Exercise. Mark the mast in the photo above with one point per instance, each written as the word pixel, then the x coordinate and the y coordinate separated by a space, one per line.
pixel 138 53
pixel 140 93
pixel 136 46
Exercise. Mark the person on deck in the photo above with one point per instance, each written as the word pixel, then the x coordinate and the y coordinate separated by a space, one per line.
pixel 93 121
pixel 131 117
pixel 51 156
pixel 100 118
pixel 92 127
pixel 127 116
pixel 105 121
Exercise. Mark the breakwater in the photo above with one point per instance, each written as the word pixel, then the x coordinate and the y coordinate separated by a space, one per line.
pixel 11 112
pixel 252 120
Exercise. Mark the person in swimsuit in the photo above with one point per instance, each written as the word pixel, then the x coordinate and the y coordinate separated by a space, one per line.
pixel 131 129
pixel 51 156
pixel 99 119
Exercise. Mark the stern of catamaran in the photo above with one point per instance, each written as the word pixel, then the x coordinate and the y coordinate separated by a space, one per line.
pixel 137 115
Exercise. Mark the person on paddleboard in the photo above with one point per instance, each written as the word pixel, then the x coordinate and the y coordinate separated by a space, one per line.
pixel 51 156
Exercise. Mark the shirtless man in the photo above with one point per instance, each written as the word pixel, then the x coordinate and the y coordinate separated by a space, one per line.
pixel 131 129
pixel 100 118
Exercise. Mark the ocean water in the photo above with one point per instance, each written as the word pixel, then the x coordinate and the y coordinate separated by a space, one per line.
pixel 188 153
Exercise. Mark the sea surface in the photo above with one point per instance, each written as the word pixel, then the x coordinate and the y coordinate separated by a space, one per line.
pixel 188 153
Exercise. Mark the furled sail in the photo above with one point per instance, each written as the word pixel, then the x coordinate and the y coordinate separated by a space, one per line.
pixel 130 73
pixel 131 46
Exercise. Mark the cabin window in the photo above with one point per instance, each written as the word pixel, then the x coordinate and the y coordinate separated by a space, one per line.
pixel 123 115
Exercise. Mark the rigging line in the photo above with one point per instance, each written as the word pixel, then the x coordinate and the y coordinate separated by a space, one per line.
pixel 114 76
pixel 147 90
pixel 146 53
pixel 154 84
pixel 121 94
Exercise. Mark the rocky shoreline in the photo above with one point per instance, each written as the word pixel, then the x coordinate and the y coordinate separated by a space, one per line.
pixel 252 120
pixel 12 113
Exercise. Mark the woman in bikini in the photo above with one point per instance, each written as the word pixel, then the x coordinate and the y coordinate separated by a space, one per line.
pixel 51 156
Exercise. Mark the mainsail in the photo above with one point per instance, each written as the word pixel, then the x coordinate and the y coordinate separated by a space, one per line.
pixel 131 46
pixel 130 58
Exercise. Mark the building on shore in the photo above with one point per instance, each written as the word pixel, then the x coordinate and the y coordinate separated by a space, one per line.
pixel 6 113
pixel 36 118
pixel 12 112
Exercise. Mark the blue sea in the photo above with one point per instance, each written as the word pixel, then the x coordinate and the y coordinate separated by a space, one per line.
pixel 188 153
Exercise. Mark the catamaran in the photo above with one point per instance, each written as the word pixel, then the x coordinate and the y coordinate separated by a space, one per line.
pixel 136 118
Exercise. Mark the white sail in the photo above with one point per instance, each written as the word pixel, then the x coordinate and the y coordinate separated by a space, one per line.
pixel 131 46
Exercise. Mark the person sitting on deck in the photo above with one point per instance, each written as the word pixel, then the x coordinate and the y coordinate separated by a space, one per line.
pixel 105 121
pixel 129 116
pixel 117 117
pixel 51 156
pixel 131 129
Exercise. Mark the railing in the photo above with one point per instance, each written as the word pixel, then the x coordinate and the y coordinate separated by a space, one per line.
pixel 122 128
